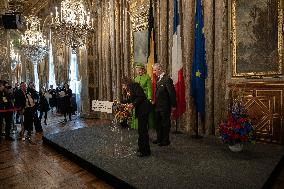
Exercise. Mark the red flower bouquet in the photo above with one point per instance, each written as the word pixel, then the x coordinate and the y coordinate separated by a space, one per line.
pixel 237 128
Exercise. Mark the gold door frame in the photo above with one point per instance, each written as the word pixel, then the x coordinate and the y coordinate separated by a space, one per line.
pixel 233 45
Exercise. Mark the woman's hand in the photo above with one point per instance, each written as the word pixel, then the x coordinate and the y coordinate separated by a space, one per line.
pixel 130 106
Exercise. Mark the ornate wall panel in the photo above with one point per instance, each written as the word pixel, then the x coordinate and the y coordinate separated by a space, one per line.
pixel 219 68
pixel 255 57
pixel 264 104
pixel 209 45
pixel 163 56
pixel 187 31
pixel 118 50
pixel 4 54
pixel 3 6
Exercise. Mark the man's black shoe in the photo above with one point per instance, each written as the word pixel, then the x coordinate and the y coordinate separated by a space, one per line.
pixel 156 142
pixel 164 144
pixel 139 154
pixel 9 138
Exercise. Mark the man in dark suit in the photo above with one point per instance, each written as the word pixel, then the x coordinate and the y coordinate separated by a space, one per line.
pixel 165 103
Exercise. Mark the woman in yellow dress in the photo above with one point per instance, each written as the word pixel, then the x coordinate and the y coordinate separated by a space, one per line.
pixel 146 83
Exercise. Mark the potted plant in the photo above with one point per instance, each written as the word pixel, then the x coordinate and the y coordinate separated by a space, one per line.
pixel 237 128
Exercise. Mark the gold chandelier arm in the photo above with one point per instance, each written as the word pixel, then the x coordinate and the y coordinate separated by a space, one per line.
pixel 45 22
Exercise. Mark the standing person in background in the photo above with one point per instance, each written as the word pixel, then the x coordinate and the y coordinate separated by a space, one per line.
pixel 58 99
pixel 43 105
pixel 67 109
pixel 6 109
pixel 17 117
pixel 165 104
pixel 16 87
pixel 144 80
pixel 35 97
pixel 20 104
pixel 52 100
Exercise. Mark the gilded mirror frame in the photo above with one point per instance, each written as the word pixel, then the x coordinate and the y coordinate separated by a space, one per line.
pixel 233 45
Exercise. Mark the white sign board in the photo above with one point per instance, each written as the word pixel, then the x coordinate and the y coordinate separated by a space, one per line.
pixel 102 106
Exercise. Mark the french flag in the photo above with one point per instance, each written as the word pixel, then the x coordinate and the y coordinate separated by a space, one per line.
pixel 177 65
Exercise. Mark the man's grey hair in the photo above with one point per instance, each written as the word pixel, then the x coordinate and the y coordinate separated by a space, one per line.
pixel 159 67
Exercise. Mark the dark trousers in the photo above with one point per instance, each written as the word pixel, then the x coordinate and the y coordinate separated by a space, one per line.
pixel 65 114
pixel 163 126
pixel 143 139
pixel 8 116
pixel 37 122
pixel 41 114
pixel 28 119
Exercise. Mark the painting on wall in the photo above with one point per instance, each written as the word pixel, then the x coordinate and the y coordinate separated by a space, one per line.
pixel 141 46
pixel 139 31
pixel 257 37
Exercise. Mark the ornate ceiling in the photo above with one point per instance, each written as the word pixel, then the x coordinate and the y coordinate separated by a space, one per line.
pixel 25 7
pixel 28 7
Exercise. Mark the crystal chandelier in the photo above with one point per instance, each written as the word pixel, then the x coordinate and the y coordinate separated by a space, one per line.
pixel 72 23
pixel 34 44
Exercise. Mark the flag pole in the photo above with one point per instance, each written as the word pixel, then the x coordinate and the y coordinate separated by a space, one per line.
pixel 196 136
pixel 177 124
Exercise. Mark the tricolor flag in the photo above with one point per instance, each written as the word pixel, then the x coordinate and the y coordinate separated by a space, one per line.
pixel 199 68
pixel 177 65
pixel 151 48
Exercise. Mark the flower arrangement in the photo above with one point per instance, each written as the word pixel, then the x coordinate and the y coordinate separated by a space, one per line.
pixel 121 112
pixel 237 128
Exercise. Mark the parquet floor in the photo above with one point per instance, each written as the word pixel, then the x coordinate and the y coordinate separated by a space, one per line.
pixel 32 165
